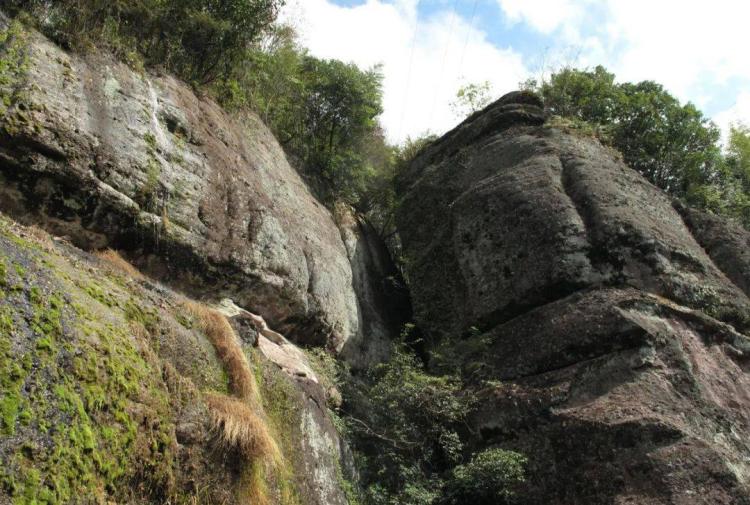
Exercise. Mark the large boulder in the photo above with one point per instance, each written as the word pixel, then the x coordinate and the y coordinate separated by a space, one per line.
pixel 107 156
pixel 604 342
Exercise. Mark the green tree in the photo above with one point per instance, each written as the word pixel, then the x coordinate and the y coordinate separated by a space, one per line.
pixel 471 98
pixel 728 192
pixel 404 422
pixel 488 479
pixel 738 153
pixel 341 105
pixel 671 144
pixel 200 40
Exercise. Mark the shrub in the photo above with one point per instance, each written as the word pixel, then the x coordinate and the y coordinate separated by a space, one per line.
pixel 405 425
pixel 488 479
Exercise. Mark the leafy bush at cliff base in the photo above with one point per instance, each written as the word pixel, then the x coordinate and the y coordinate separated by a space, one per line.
pixel 487 479
pixel 406 427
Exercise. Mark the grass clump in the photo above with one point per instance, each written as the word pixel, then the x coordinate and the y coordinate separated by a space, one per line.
pixel 241 421
pixel 222 336
pixel 242 428
pixel 117 263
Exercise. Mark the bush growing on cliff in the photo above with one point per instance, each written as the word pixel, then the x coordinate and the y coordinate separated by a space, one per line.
pixel 406 425
pixel 488 479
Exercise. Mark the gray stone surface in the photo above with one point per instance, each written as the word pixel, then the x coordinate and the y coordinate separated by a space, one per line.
pixel 382 299
pixel 107 156
pixel 494 224
pixel 726 242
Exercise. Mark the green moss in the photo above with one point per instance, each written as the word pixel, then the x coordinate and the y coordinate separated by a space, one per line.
pixel 12 376
pixel 14 64
pixel 47 317
pixel 147 195
pixel 96 448
pixel 20 270
pixel 135 312
pixel 281 404
pixel 185 321
pixel 3 274
pixel 150 140
pixel 99 294
pixel 88 376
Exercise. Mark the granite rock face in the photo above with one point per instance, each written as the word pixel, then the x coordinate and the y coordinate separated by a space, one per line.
pixel 109 157
pixel 618 339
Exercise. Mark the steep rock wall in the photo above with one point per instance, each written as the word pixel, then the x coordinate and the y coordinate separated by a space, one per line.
pixel 107 156
pixel 611 346
pixel 383 300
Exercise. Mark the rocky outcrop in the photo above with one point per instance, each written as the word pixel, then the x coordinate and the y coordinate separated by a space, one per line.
pixel 318 448
pixel 618 340
pixel 107 156
pixel 726 242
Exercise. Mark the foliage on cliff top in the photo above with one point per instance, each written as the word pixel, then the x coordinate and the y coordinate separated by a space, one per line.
pixel 670 143
pixel 199 40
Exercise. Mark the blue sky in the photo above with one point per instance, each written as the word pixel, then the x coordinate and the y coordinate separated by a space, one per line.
pixel 429 48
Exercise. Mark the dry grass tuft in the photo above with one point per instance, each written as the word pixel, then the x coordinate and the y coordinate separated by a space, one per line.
pixel 242 428
pixel 117 262
pixel 240 419
pixel 217 328
pixel 42 237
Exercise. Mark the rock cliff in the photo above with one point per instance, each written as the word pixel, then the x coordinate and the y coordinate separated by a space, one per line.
pixel 602 325
pixel 110 157
pixel 603 330
pixel 104 156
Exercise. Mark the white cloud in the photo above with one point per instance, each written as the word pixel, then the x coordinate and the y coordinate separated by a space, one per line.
pixel 544 15
pixel 686 45
pixel 681 44
pixel 696 48
pixel 737 113
pixel 422 73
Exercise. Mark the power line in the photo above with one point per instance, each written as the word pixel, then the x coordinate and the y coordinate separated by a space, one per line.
pixel 468 34
pixel 445 56
pixel 408 71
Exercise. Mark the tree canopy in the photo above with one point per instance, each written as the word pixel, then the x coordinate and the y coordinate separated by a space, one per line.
pixel 199 40
pixel 673 145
